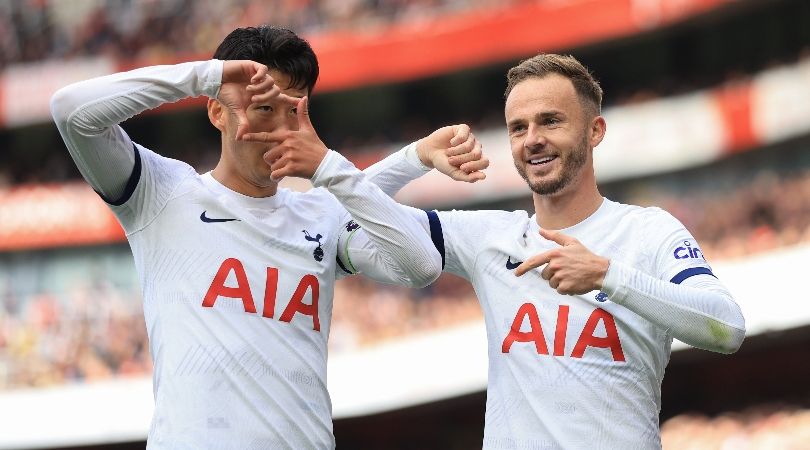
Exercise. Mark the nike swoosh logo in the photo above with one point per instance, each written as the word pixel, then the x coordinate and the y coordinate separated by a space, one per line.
pixel 207 219
pixel 512 265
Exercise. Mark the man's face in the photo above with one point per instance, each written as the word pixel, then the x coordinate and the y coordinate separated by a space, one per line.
pixel 277 115
pixel 549 132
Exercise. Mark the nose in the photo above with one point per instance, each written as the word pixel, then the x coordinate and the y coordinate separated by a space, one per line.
pixel 535 139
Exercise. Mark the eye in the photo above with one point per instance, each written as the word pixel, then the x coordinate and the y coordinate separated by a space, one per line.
pixel 517 129
pixel 293 111
pixel 551 121
pixel 265 108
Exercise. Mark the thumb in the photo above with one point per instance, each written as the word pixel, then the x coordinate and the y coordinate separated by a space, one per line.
pixel 460 134
pixel 302 111
pixel 557 237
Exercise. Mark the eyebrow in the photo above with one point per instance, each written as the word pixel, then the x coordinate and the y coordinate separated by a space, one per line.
pixel 539 116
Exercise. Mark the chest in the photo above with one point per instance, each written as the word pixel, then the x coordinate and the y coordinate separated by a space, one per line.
pixel 526 315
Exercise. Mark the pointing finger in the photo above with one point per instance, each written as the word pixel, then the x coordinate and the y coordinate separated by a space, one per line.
pixel 265 136
pixel 558 237
pixel 532 263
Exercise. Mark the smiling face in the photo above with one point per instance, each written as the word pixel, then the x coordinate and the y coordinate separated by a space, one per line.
pixel 551 133
pixel 242 166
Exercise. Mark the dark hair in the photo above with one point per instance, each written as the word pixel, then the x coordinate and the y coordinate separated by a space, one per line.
pixel 277 48
pixel 586 86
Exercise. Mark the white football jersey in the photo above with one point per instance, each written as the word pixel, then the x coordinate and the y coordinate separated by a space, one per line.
pixel 237 300
pixel 237 290
pixel 569 371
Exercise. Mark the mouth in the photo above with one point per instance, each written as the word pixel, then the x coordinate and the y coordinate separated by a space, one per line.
pixel 541 161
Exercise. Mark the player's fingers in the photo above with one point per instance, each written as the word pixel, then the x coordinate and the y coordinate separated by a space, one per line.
pixel 475 166
pixel 473 155
pixel 558 237
pixel 470 177
pixel 266 96
pixel 261 83
pixel 547 272
pixel 266 136
pixel 274 155
pixel 462 148
pixel 260 73
pixel 532 263
pixel 290 100
pixel 461 133
pixel 303 114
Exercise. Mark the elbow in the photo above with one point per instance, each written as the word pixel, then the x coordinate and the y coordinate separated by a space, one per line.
pixel 425 273
pixel 63 107
pixel 727 338
pixel 732 345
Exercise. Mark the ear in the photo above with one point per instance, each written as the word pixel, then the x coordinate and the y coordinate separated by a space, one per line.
pixel 597 130
pixel 216 114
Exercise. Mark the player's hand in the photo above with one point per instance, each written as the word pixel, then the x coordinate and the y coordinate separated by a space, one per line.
pixel 297 153
pixel 571 269
pixel 454 151
pixel 245 82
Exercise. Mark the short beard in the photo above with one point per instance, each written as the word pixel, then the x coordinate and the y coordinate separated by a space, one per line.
pixel 571 165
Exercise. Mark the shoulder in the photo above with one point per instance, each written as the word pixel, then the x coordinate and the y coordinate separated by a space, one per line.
pixel 154 161
pixel 643 217
pixel 317 199
pixel 482 221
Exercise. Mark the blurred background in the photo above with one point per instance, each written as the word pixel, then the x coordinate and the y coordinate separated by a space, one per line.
pixel 708 111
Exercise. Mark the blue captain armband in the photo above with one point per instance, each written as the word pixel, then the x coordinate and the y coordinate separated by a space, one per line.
pixel 690 272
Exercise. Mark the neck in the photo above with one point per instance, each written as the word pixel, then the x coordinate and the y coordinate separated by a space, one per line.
pixel 240 184
pixel 569 207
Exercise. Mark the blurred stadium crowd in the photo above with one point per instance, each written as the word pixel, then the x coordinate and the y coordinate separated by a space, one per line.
pixel 775 427
pixel 52 337
pixel 45 340
pixel 36 30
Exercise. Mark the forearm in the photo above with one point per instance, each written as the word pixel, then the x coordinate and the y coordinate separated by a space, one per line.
pixel 87 114
pixel 397 170
pixel 703 315
pixel 401 241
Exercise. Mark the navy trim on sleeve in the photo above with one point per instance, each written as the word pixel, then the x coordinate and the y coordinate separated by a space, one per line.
pixel 436 233
pixel 690 272
pixel 342 267
pixel 132 182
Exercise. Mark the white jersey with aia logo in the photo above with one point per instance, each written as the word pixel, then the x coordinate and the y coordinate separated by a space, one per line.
pixel 237 290
pixel 569 371
pixel 237 302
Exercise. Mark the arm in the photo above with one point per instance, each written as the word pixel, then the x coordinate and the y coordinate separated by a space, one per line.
pixel 700 311
pixel 402 245
pixel 392 246
pixel 87 113
pixel 453 150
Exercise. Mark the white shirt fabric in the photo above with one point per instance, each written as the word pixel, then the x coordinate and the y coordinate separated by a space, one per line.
pixel 581 371
pixel 237 290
